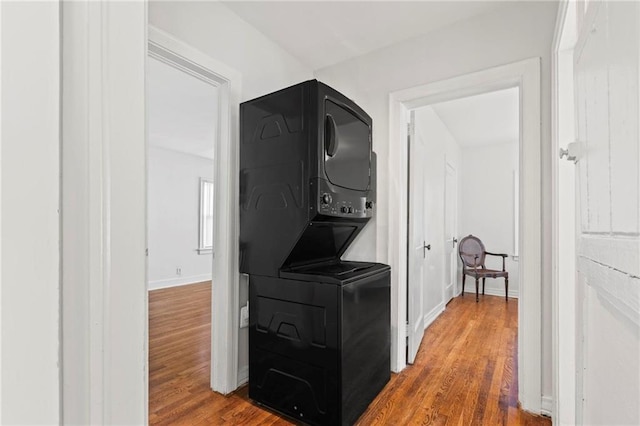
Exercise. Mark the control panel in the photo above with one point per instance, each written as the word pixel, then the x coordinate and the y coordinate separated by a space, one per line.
pixel 343 204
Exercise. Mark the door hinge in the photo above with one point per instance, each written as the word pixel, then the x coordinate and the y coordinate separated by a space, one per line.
pixel 406 333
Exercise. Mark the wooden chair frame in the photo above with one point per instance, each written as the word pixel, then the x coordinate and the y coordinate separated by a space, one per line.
pixel 477 269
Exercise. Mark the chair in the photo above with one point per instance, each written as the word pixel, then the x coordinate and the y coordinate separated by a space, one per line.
pixel 472 254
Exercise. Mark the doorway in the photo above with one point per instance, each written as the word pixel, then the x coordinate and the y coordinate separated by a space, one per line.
pixel 181 133
pixel 468 159
pixel 525 76
pixel 222 190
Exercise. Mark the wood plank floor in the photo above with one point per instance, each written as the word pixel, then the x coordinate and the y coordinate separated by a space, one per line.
pixel 465 372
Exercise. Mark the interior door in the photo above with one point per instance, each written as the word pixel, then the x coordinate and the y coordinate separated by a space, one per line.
pixel 606 68
pixel 450 231
pixel 417 246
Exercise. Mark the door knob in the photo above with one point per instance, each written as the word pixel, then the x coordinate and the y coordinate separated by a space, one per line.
pixel 425 246
pixel 573 152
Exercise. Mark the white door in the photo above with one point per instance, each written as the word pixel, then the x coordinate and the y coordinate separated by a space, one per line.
pixel 607 314
pixel 450 231
pixel 417 246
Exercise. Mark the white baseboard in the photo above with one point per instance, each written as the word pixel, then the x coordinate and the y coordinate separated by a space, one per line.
pixel 175 282
pixel 492 292
pixel 546 406
pixel 243 375
pixel 430 316
pixel 449 292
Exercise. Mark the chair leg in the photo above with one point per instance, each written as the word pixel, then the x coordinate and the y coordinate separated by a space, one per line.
pixel 483 280
pixel 506 288
pixel 463 278
pixel 477 283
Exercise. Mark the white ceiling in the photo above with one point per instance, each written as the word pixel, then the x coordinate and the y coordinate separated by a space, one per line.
pixel 323 33
pixel 182 110
pixel 486 119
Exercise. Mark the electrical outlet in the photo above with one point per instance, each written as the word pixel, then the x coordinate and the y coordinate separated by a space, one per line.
pixel 178 271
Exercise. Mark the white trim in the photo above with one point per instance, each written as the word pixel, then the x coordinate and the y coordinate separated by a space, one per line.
pixel 451 288
pixel 513 294
pixel 433 314
pixel 563 402
pixel 526 76
pixel 1 400
pixel 546 408
pixel 203 249
pixel 516 214
pixel 177 282
pixel 243 375
pixel 555 356
pixel 104 352
pixel 225 276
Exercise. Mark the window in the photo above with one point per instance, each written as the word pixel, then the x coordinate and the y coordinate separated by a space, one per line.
pixel 516 214
pixel 206 216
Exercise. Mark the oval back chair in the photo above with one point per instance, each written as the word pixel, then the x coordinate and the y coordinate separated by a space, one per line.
pixel 473 255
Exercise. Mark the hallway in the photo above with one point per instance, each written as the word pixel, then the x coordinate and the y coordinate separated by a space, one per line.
pixel 465 372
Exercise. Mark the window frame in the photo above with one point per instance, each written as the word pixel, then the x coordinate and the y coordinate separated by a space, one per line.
pixel 202 248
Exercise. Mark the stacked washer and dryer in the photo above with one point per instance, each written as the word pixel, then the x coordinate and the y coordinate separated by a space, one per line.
pixel 319 326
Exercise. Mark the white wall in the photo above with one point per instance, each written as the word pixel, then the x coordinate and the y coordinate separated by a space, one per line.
pixel 515 32
pixel 487 208
pixel 174 218
pixel 215 30
pixel 30 170
pixel 263 65
pixel 441 147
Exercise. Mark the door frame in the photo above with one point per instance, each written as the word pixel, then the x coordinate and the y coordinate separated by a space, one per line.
pixel 225 272
pixel 565 392
pixel 104 330
pixel 526 76
pixel 103 208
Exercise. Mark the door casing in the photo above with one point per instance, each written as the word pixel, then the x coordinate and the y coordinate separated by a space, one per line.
pixel 225 275
pixel 526 76
pixel 563 226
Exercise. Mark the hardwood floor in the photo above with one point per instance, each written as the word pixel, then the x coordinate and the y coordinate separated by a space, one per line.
pixel 465 372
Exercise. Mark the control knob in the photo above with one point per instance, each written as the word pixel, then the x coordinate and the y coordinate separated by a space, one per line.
pixel 344 209
pixel 326 199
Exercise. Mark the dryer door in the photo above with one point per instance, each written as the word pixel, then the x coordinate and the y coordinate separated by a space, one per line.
pixel 347 148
